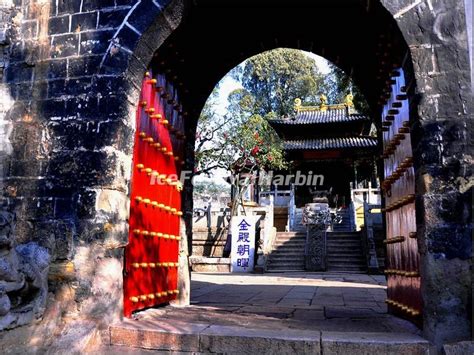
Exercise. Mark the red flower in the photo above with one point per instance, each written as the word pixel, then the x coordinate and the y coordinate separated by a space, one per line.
pixel 255 150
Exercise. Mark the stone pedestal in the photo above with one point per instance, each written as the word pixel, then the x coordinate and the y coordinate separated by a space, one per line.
pixel 316 217
pixel 315 249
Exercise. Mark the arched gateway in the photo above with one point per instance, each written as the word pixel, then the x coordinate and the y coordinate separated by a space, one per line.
pixel 76 77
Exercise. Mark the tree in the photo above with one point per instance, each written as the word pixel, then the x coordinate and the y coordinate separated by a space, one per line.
pixel 270 83
pixel 337 85
pixel 275 78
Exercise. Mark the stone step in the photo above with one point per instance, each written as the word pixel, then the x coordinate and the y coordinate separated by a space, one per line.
pixel 291 237
pixel 170 336
pixel 343 251
pixel 286 260
pixel 286 265
pixel 347 268
pixel 290 242
pixel 343 240
pixel 343 234
pixel 290 234
pixel 285 268
pixel 289 252
pixel 346 245
pixel 346 258
pixel 166 335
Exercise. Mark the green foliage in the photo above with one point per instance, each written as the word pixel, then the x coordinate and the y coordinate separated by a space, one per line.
pixel 242 138
pixel 337 85
pixel 275 78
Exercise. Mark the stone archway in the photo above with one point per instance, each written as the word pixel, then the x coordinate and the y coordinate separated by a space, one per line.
pixel 428 104
pixel 80 59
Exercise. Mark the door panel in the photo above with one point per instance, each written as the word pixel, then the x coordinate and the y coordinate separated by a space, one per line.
pixel 151 256
pixel 403 278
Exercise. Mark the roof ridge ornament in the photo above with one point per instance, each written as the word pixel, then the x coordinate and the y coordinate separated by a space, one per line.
pixel 297 105
pixel 323 99
pixel 323 106
pixel 349 100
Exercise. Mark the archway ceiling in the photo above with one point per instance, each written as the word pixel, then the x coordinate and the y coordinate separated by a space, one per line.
pixel 361 37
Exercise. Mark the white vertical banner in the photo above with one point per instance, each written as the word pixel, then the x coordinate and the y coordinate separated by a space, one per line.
pixel 243 243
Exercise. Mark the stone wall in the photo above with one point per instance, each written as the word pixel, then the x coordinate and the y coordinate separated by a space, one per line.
pixel 71 74
pixel 66 126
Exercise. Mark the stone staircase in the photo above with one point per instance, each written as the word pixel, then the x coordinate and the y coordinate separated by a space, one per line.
pixel 298 225
pixel 344 252
pixel 288 252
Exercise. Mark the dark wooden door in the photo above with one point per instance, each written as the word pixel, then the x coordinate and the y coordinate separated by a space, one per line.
pixel 151 257
pixel 402 270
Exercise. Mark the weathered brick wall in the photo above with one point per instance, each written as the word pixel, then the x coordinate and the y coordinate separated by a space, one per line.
pixel 71 75
pixel 67 122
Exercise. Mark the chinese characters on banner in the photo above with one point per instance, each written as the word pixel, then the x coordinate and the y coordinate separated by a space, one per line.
pixel 243 243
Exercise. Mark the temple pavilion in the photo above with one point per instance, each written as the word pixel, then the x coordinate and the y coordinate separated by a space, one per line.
pixel 333 142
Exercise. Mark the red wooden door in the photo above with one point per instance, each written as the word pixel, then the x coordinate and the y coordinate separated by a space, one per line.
pixel 403 278
pixel 151 256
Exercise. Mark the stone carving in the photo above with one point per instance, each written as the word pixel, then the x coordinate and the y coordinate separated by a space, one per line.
pixel 23 277
pixel 316 217
pixel 313 216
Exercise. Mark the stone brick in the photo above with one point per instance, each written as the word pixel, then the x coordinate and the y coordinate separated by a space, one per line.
pixel 84 65
pixel 52 108
pixel 57 69
pixel 58 25
pixel 95 42
pixel 68 7
pixel 65 45
pixel 117 62
pixel 229 339
pixel 180 339
pixel 143 15
pixel 84 21
pixel 89 5
pixel 372 343
pixel 111 18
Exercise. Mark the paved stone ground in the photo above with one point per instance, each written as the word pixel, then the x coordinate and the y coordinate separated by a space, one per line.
pixel 310 301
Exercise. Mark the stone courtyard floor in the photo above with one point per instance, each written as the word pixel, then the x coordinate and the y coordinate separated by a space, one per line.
pixel 324 301
pixel 306 311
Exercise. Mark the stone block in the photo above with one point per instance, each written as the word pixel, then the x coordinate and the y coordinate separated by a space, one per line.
pixel 460 348
pixel 114 203
pixel 336 343
pixel 65 45
pixel 153 334
pixel 230 339
pixel 58 25
pixel 83 66
pixel 84 21
pixel 112 18
pixel 89 5
pixel 144 15
pixel 95 42
pixel 57 69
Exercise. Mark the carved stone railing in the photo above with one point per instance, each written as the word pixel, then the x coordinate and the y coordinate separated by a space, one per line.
pixel 317 218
